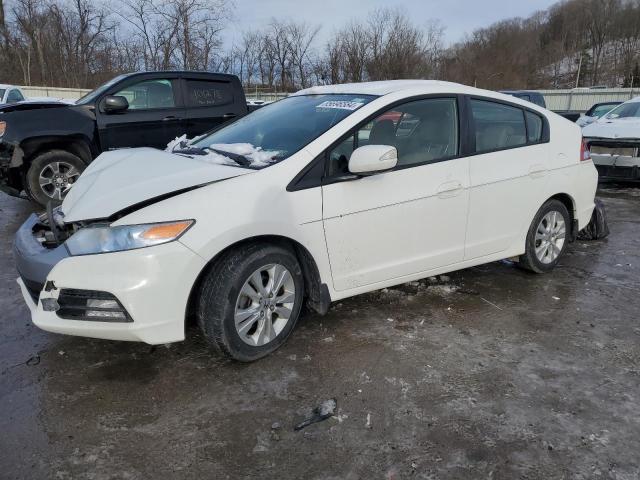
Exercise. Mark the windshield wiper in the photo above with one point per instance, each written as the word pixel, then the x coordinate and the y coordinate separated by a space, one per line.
pixel 236 157
pixel 191 150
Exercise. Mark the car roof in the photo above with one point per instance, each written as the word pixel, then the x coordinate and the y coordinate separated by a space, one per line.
pixel 5 87
pixel 386 87
pixel 528 92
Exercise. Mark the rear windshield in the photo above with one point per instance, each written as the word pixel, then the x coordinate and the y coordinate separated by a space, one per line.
pixel 279 130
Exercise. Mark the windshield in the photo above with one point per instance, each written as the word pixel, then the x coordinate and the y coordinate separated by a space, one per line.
pixel 92 95
pixel 626 110
pixel 279 130
pixel 600 110
pixel 2 93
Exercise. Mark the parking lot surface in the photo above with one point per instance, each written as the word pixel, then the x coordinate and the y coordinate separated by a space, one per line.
pixel 490 372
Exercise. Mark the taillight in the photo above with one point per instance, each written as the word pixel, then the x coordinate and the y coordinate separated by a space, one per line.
pixel 585 153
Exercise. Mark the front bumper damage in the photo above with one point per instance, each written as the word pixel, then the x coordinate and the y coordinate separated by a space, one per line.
pixel 151 286
pixel 11 158
pixel 616 159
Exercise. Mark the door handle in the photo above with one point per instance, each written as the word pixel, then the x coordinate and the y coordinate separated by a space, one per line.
pixel 227 116
pixel 537 171
pixel 449 189
pixel 169 118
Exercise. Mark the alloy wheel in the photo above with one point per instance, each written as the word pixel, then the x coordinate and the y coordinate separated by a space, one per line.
pixel 56 178
pixel 550 237
pixel 264 305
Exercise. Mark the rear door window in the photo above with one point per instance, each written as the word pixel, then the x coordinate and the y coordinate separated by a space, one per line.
pixel 203 93
pixel 497 126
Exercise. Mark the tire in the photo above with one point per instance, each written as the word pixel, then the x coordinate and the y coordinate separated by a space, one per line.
pixel 61 168
pixel 550 231
pixel 222 299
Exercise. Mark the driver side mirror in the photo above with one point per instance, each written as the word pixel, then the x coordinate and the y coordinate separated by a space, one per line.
pixel 115 104
pixel 371 159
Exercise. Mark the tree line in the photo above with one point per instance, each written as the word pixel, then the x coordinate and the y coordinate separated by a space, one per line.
pixel 82 43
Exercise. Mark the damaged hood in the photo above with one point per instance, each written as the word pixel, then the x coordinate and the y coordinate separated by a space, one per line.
pixel 122 178
pixel 613 128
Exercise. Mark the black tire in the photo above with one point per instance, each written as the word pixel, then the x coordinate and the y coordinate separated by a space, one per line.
pixel 219 292
pixel 529 261
pixel 43 163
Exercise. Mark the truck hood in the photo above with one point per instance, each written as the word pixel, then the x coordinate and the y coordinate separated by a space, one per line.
pixel 31 105
pixel 613 128
pixel 121 179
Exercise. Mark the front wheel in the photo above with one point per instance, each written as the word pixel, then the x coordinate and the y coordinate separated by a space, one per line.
pixel 250 301
pixel 547 237
pixel 51 175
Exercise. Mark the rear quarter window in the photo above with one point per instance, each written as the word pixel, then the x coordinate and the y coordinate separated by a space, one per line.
pixel 534 127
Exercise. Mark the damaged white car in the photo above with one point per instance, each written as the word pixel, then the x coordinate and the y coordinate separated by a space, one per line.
pixel 329 193
pixel 614 142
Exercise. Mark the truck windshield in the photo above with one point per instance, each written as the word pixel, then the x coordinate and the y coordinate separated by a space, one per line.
pixel 93 94
pixel 279 130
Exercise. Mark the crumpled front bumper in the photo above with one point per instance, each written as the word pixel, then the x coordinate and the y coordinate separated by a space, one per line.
pixel 613 165
pixel 152 284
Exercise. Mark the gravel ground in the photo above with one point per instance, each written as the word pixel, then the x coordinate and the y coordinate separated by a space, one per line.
pixel 489 372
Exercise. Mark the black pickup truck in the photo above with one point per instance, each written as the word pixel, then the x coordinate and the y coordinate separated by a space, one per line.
pixel 44 146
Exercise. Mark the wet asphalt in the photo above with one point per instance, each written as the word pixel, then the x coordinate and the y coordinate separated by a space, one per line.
pixel 491 373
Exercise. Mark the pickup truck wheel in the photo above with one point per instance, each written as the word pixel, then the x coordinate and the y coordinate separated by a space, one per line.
pixel 51 175
pixel 547 238
pixel 250 301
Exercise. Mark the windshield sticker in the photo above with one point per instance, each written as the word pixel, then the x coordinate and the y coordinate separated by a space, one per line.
pixel 340 105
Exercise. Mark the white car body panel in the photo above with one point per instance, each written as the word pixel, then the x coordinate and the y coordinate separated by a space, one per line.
pixel 371 229
pixel 613 128
pixel 115 181
pixel 625 129
pixel 364 234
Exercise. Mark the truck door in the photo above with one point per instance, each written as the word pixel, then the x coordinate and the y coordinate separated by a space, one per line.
pixel 154 116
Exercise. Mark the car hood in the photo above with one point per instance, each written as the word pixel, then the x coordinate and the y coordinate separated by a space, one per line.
pixel 31 105
pixel 122 179
pixel 613 128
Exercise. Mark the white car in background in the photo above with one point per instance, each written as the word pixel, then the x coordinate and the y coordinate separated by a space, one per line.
pixel 614 142
pixel 329 193
pixel 10 94
pixel 596 111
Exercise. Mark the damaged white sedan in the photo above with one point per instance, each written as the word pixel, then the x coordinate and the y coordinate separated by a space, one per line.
pixel 614 142
pixel 329 193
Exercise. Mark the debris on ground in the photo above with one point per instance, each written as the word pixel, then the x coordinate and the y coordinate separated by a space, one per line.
pixel 32 361
pixel 323 411
pixel 597 228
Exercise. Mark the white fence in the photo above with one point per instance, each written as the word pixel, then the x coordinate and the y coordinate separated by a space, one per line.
pixel 573 99
pixel 54 92
pixel 580 100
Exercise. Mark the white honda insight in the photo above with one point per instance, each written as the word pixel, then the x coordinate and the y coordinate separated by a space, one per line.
pixel 329 193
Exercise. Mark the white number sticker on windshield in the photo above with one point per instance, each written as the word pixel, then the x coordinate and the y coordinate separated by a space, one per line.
pixel 340 104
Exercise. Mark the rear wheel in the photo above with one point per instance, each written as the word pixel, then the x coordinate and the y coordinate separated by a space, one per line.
pixel 51 175
pixel 250 301
pixel 547 237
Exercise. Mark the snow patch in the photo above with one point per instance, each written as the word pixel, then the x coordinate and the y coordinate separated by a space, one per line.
pixel 256 155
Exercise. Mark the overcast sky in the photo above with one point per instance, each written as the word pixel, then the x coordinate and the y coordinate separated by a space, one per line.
pixel 458 16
